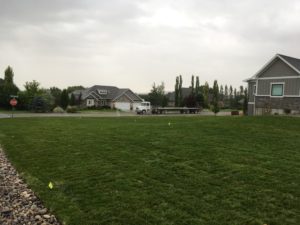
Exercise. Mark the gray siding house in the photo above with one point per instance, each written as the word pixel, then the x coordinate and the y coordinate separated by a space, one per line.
pixel 276 87
pixel 108 96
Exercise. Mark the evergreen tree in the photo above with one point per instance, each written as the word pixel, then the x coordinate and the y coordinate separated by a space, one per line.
pixel 197 88
pixel 215 100
pixel 7 88
pixel 39 104
pixel 8 76
pixel 198 94
pixel 226 92
pixel 64 101
pixel 180 98
pixel 193 85
pixel 79 99
pixel 205 94
pixel 177 92
pixel 242 90
pixel 72 100
pixel 245 104
pixel 221 93
pixel 230 96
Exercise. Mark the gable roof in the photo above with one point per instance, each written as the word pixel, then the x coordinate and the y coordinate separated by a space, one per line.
pixel 127 92
pixel 293 63
pixel 109 93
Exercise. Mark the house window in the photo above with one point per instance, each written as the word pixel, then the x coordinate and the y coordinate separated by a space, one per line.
pixel 276 89
pixel 254 89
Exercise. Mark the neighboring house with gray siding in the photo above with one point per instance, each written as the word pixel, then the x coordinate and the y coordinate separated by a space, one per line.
pixel 108 96
pixel 276 87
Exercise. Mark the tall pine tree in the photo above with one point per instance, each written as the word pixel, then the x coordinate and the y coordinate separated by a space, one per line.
pixel 180 98
pixel 245 104
pixel 197 88
pixel 7 88
pixel 64 101
pixel 226 92
pixel 221 93
pixel 205 94
pixel 177 92
pixel 215 100
pixel 193 85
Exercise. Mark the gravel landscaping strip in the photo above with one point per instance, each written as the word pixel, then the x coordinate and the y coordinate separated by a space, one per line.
pixel 18 204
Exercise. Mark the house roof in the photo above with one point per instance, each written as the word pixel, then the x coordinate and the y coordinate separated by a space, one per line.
pixel 106 92
pixel 185 92
pixel 292 62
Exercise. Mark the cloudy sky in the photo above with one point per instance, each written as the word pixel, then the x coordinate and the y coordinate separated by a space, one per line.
pixel 133 43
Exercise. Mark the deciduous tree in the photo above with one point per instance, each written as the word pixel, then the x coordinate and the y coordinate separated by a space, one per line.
pixel 157 95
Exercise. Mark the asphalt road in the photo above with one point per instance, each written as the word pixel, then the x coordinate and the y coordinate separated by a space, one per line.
pixel 102 114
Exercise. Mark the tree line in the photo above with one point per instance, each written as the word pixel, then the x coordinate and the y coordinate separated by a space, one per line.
pixel 214 97
pixel 33 97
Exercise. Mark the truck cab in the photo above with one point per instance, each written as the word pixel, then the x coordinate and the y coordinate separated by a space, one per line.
pixel 143 108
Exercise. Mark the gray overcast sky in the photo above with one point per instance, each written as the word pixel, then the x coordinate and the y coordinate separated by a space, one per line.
pixel 133 43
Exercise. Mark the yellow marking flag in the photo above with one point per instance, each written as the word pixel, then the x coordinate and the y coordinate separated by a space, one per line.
pixel 50 185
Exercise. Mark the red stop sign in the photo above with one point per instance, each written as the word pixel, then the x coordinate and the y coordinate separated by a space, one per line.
pixel 13 102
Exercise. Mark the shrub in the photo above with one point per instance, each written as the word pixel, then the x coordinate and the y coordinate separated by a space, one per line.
pixel 39 105
pixel 287 111
pixel 71 109
pixel 98 107
pixel 58 109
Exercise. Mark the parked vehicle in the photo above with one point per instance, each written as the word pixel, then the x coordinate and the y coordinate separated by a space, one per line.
pixel 182 110
pixel 146 108
pixel 143 108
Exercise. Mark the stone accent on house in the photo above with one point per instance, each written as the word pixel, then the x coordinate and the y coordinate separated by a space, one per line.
pixel 292 103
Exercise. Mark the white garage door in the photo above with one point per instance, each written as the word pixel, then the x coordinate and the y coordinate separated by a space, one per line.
pixel 124 106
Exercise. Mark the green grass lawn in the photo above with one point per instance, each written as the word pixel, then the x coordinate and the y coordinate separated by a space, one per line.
pixel 140 170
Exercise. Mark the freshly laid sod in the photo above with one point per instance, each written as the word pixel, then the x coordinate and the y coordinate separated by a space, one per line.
pixel 161 170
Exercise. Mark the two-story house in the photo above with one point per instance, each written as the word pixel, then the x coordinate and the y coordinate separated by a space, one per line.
pixel 276 87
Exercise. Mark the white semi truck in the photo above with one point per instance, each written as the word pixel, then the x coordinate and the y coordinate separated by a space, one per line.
pixel 145 108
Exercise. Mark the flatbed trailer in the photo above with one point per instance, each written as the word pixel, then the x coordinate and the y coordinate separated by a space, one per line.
pixel 182 110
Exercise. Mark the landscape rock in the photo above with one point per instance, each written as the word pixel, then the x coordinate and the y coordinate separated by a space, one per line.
pixel 46 216
pixel 19 204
